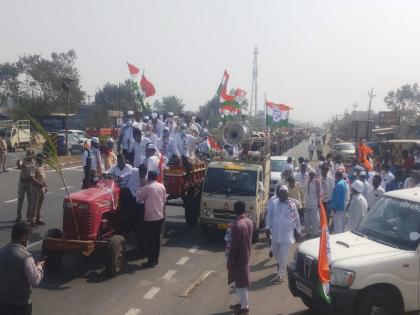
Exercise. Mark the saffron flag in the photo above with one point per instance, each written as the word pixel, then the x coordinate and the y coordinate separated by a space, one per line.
pixel 324 257
pixel 363 154
pixel 277 115
pixel 147 87
pixel 160 166
pixel 134 71
pixel 229 107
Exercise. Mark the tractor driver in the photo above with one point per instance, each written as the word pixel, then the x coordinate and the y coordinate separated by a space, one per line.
pixel 120 169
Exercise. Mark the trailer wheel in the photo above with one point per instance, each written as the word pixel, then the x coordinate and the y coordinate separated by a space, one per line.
pixel 52 257
pixel 115 255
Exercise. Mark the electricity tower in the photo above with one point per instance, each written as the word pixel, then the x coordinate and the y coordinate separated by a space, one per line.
pixel 254 90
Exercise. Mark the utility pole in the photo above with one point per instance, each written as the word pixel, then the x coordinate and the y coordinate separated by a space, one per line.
pixel 254 89
pixel 371 96
pixel 66 88
pixel 354 105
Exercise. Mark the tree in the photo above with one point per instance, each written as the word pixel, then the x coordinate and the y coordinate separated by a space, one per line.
pixel 9 83
pixel 169 104
pixel 116 97
pixel 406 100
pixel 35 83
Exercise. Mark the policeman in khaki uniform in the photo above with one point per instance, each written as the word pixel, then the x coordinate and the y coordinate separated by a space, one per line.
pixel 3 152
pixel 38 191
pixel 27 171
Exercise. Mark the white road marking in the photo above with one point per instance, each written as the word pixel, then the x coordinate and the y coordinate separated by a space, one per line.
pixel 33 244
pixel 182 261
pixel 151 293
pixel 133 311
pixel 67 169
pixel 193 249
pixel 68 187
pixel 196 283
pixel 168 276
pixel 10 201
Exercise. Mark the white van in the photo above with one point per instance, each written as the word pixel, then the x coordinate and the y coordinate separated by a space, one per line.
pixel 375 268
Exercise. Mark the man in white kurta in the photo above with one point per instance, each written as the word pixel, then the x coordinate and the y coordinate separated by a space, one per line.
pixel 281 221
pixel 312 199
pixel 358 205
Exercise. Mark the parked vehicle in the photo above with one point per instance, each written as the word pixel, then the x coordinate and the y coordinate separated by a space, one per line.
pixel 344 149
pixel 18 134
pixel 75 145
pixel 374 269
pixel 78 133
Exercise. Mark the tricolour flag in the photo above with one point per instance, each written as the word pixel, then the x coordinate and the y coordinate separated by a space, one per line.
pixel 147 87
pixel 134 71
pixel 324 257
pixel 277 115
pixel 229 107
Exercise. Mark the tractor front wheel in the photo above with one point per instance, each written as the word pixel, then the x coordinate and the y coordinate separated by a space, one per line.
pixel 115 255
pixel 52 257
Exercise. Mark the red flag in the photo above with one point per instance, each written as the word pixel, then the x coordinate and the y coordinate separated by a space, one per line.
pixel 133 69
pixel 147 87
pixel 224 97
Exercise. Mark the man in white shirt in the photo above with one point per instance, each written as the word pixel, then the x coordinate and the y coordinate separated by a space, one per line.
pixel 281 221
pixel 120 169
pixel 311 149
pixel 165 144
pixel 327 187
pixel 289 166
pixel 367 187
pixel 387 176
pixel 358 205
pixel 157 125
pixel 376 193
pixel 138 150
pixel 152 159
pixel 150 134
pixel 126 135
pixel 413 180
pixel 302 176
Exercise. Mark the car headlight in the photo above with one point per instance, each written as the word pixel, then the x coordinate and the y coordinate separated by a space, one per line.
pixel 342 277
pixel 208 212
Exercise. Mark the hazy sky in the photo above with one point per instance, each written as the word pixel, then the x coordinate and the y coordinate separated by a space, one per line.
pixel 316 56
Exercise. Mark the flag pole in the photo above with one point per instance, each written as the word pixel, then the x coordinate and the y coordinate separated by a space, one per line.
pixel 265 113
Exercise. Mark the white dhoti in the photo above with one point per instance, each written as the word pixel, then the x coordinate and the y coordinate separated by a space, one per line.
pixel 339 221
pixel 311 221
pixel 281 254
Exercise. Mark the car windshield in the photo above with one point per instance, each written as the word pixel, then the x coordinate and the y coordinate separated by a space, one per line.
pixel 231 182
pixel 277 165
pixel 393 222
pixel 344 146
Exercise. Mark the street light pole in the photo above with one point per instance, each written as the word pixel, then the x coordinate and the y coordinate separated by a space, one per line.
pixel 66 86
pixel 371 96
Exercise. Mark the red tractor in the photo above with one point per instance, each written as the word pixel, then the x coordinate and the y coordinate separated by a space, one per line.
pixel 179 184
pixel 91 221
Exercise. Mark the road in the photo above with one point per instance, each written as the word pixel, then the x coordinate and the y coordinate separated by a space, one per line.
pixel 191 278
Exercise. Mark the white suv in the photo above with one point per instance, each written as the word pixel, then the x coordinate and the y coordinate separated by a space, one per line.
pixel 375 268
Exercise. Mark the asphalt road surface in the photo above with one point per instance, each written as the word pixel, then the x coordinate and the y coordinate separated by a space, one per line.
pixel 191 277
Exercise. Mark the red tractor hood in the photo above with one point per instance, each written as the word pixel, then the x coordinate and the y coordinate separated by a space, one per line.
pixel 99 195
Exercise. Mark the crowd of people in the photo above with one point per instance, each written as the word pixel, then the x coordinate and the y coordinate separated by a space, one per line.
pixel 347 194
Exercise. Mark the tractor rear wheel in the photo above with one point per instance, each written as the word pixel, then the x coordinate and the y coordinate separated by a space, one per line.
pixel 115 255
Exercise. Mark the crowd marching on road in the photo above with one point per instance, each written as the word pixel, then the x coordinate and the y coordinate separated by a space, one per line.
pixel 147 145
